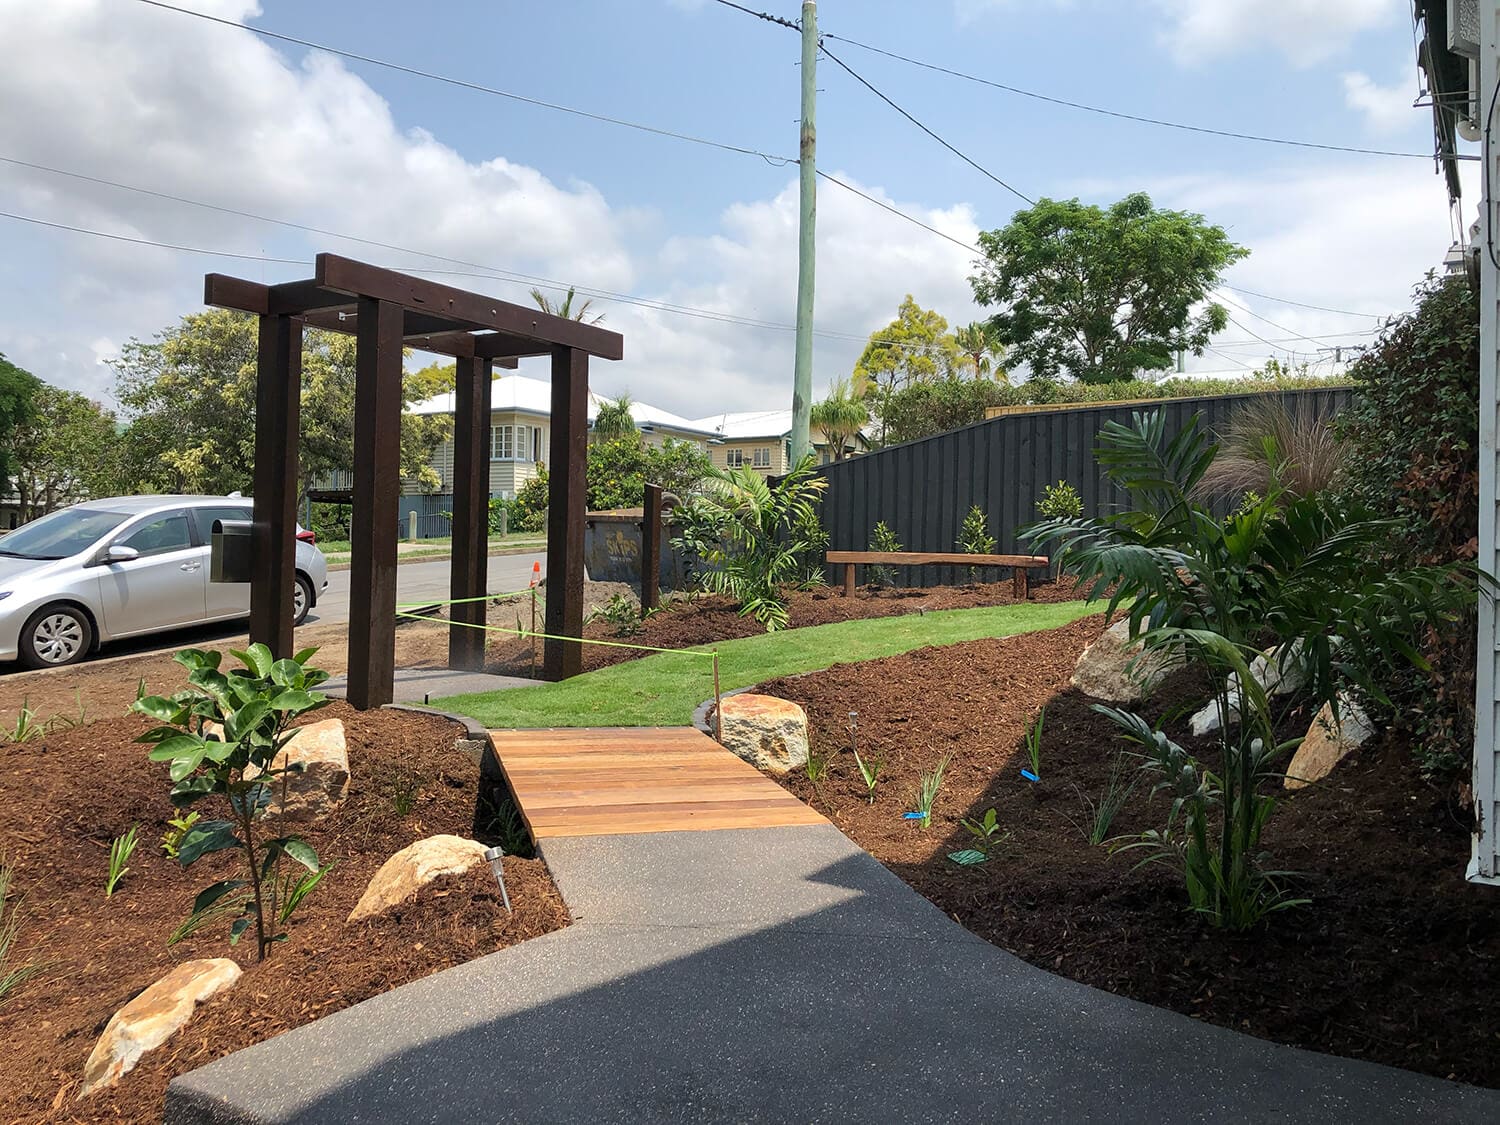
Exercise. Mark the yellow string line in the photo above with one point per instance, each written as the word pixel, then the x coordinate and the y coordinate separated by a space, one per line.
pixel 578 640
pixel 466 601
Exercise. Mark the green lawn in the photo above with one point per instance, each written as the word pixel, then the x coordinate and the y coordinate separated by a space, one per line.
pixel 663 689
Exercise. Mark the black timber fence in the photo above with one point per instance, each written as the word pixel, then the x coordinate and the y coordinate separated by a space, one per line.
pixel 923 489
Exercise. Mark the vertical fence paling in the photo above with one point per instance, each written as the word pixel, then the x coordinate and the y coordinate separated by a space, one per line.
pixel 923 488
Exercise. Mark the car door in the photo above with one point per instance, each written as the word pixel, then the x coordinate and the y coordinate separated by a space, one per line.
pixel 223 600
pixel 162 586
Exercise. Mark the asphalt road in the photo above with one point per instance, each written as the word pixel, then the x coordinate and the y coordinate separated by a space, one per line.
pixel 416 582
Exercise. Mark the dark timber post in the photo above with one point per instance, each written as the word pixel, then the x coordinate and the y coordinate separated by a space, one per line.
pixel 278 400
pixel 377 489
pixel 651 550
pixel 471 478
pixel 566 508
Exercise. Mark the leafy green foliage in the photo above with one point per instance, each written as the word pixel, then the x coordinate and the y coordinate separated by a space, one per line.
pixel 1102 813
pixel 1414 433
pixel 1060 501
pixel 755 537
pixel 869 768
pixel 1099 295
pixel 567 309
pixel 987 835
pixel 65 452
pixel 252 710
pixel 18 393
pixel 913 348
pixel 620 468
pixel 528 511
pixel 928 786
pixel 882 538
pixel 982 351
pixel 936 406
pixel 26 727
pixel 177 827
pixel 1215 821
pixel 622 613
pixel 614 420
pixel 974 536
pixel 1033 739
pixel 120 851
pixel 841 416
pixel 12 974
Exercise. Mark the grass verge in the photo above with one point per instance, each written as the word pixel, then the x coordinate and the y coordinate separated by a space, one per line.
pixel 663 689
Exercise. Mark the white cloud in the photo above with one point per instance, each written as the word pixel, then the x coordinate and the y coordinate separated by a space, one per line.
pixel 1305 31
pixel 1386 109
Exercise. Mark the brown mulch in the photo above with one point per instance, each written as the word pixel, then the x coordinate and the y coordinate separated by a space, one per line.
pixel 1396 960
pixel 705 619
pixel 66 797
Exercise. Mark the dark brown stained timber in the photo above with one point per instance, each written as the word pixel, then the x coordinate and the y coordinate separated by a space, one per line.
pixel 567 507
pixel 385 310
pixel 278 401
pixel 651 550
pixel 471 463
pixel 464 309
pixel 377 488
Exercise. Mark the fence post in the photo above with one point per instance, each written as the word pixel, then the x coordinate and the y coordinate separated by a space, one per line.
pixel 411 524
pixel 651 550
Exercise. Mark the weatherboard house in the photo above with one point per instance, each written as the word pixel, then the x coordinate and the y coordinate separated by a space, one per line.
pixel 762 440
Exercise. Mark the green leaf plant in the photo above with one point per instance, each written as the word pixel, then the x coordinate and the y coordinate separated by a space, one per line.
pixel 220 737
pixel 120 851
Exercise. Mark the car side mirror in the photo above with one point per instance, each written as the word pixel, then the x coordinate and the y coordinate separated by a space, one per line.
pixel 119 553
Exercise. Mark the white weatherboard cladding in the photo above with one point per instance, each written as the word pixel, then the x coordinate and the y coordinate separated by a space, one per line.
pixel 1485 866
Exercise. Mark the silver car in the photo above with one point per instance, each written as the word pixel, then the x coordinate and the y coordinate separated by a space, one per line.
pixel 109 569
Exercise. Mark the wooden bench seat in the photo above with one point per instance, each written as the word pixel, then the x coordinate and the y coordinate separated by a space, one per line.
pixel 849 559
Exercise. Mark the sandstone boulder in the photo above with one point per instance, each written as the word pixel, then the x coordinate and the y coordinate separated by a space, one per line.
pixel 323 782
pixel 1118 670
pixel 1329 742
pixel 769 733
pixel 412 868
pixel 153 1017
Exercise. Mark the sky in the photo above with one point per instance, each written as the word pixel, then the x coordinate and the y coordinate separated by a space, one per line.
pixel 453 179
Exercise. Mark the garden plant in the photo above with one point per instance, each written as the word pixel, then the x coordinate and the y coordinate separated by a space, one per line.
pixel 882 538
pixel 252 711
pixel 1296 577
pixel 974 536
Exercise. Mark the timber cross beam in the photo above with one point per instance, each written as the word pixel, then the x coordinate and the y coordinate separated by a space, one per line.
pixel 1019 563
pixel 388 312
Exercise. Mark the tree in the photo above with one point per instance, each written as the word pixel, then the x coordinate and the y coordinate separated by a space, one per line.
pixel 189 399
pixel 983 350
pixel 924 409
pixel 619 470
pixel 841 416
pixel 18 390
pixel 1100 295
pixel 65 453
pixel 914 347
pixel 566 309
pixel 615 420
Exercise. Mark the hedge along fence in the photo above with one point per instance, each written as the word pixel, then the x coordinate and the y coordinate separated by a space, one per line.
pixel 923 489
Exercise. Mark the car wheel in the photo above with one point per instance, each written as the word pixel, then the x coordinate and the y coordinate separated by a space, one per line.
pixel 56 636
pixel 302 599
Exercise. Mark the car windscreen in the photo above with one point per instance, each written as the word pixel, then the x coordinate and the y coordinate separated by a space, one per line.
pixel 61 534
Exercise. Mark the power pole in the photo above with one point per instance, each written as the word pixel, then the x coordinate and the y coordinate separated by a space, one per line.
pixel 806 238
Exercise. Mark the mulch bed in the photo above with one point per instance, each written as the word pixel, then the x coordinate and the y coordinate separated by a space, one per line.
pixel 1397 959
pixel 64 799
pixel 705 619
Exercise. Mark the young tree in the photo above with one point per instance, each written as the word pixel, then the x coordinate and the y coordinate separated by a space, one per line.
pixel 982 350
pixel 915 347
pixel 565 308
pixel 18 390
pixel 841 416
pixel 924 409
pixel 614 420
pixel 65 453
pixel 1100 295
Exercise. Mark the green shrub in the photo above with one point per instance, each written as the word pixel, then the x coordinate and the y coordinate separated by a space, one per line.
pixel 1060 501
pixel 974 537
pixel 882 538
pixel 253 709
pixel 528 511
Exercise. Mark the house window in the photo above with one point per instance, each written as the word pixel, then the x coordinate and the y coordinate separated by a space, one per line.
pixel 538 454
pixel 734 458
pixel 763 457
pixel 502 443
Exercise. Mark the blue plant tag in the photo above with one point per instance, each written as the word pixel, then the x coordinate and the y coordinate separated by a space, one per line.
pixel 1029 776
pixel 915 816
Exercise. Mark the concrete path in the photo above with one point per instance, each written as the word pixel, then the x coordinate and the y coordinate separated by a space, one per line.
pixel 414 685
pixel 776 975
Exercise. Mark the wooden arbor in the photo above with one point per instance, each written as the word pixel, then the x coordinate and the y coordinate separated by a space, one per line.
pixel 387 311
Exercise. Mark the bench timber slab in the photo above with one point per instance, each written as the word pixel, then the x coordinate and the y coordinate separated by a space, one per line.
pixel 849 559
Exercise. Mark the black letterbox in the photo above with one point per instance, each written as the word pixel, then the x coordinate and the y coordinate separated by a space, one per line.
pixel 229 551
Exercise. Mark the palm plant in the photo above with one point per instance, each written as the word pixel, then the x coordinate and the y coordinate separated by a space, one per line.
pixel 1298 573
pixel 755 537
pixel 978 344
pixel 841 416
pixel 614 419
pixel 565 308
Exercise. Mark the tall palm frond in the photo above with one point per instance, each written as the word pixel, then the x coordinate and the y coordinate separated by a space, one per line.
pixel 566 309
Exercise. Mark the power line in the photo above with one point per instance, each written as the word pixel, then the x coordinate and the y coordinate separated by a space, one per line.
pixel 1127 116
pixel 1301 304
pixel 152 242
pixel 897 212
pixel 1280 327
pixel 767 16
pixel 475 86
pixel 969 160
